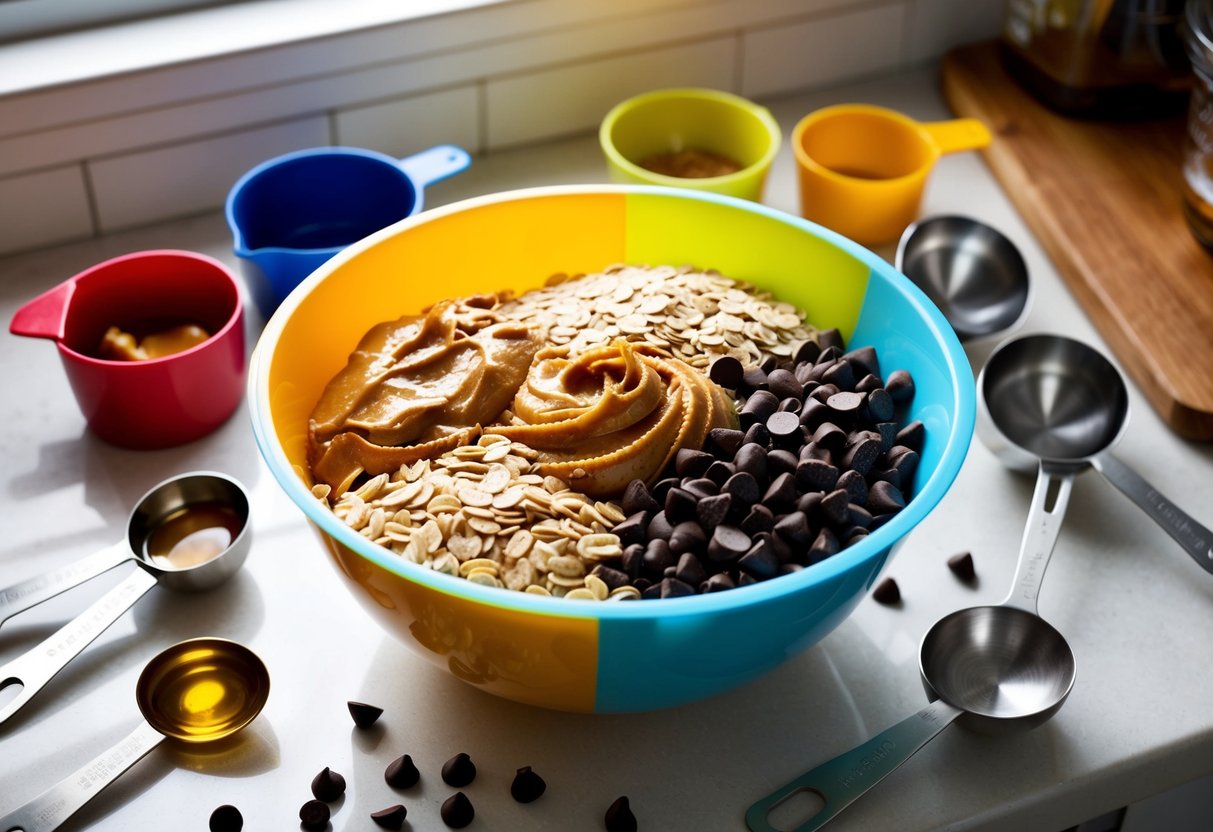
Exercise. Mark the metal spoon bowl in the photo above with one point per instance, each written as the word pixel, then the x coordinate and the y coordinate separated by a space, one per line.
pixel 196 691
pixel 162 506
pixel 1048 401
pixel 972 272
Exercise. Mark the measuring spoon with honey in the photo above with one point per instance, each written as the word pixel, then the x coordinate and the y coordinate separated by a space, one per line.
pixel 189 534
pixel 194 692
pixel 215 505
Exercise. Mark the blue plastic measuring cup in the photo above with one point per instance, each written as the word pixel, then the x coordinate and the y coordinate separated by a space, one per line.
pixel 290 214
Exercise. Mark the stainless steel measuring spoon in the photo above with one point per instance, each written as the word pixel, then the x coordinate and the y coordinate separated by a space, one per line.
pixel 192 489
pixel 196 691
pixel 972 272
pixel 992 669
pixel 1051 400
pixel 180 551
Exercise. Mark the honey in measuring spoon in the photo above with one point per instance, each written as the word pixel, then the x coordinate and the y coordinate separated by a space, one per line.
pixel 193 535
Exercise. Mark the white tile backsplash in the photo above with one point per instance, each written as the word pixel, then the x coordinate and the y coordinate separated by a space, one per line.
pixel 821 50
pixel 41 208
pixel 408 125
pixel 169 142
pixel 152 185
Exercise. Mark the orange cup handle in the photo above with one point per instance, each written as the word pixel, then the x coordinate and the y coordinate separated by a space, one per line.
pixel 959 134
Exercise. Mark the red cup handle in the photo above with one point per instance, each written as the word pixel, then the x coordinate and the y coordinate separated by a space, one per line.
pixel 44 316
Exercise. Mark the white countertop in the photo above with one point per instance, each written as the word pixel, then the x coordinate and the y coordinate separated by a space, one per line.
pixel 1134 607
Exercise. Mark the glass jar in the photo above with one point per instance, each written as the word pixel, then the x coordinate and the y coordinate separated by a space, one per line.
pixel 1197 183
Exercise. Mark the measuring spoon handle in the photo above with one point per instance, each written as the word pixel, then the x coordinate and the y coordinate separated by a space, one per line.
pixel 34 668
pixel 55 805
pixel 21 596
pixel 1045 514
pixel 845 778
pixel 1195 539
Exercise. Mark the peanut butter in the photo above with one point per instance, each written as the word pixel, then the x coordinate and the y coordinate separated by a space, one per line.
pixel 117 345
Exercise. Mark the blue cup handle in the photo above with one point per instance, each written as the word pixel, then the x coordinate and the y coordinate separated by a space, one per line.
pixel 435 164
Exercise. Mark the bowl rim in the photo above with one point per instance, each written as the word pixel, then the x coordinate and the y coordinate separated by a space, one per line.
pixel 875 545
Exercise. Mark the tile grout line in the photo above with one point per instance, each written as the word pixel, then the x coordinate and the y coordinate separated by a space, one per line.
pixel 90 197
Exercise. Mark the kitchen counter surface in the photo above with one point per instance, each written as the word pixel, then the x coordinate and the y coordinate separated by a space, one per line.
pixel 1133 606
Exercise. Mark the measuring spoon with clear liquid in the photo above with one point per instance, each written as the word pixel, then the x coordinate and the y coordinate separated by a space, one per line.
pixel 1049 400
pixel 193 534
pixel 992 669
pixel 186 490
pixel 194 692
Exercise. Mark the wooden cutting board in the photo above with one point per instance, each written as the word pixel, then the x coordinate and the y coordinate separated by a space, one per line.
pixel 1104 200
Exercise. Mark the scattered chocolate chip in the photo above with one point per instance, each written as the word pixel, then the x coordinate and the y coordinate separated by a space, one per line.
pixel 364 715
pixel 401 773
pixel 314 815
pixel 887 592
pixel 527 786
pixel 962 566
pixel 226 818
pixel 619 817
pixel 328 785
pixel 727 371
pixel 457 811
pixel 458 771
pixel 390 818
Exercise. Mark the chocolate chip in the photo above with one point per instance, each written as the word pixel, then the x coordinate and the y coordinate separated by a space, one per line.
pixel 752 459
pixel 718 583
pixel 660 528
pixel 364 715
pixel 815 475
pixel 860 456
pixel 457 811
pixel 631 530
pixel 781 461
pixel 859 516
pixel 825 545
pixel 794 528
pixel 527 786
pixel 867 384
pixel 791 404
pixel 712 511
pixel 905 462
pixel 458 771
pixel 760 405
pixel 880 405
pixel 782 384
pixel 401 773
pixel 657 557
pixel 390 818
pixel 759 519
pixel 328 785
pixel 831 339
pixel 781 495
pixel 887 592
pixel 769 363
pixel 633 560
pixel 724 442
pixel 812 450
pixel 855 484
pixel 744 488
pixel 754 378
pixel 912 435
pixel 758 434
pixel 784 425
pixel 864 360
pixel 703 486
pixel 809 502
pixel 745 579
pixel 674 588
pixel 834 506
pixel 823 393
pixel 962 566
pixel 717 473
pixel 888 434
pixel 226 818
pixel 691 462
pixel 612 577
pixel 636 498
pixel 679 506
pixel 688 536
pixel 689 570
pixel 840 375
pixel 829 435
pixel 314 815
pixel 900 386
pixel 846 403
pixel 619 817
pixel 806 351
pixel 883 498
pixel 726 371
pixel 813 413
pixel 760 561
pixel 728 543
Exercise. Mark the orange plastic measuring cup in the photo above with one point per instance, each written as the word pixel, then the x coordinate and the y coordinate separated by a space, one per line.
pixel 863 168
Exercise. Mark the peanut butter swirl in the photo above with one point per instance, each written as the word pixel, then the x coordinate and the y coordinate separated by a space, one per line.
pixel 606 416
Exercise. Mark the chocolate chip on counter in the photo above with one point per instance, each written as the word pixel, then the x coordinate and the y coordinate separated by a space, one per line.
pixel 689 570
pixel 883 498
pixel 390 818
pixel 864 360
pixel 727 371
pixel 314 815
pixel 691 462
pixel 962 566
pixel 887 592
pixel 674 588
pixel 815 475
pixel 457 811
pixel 619 817
pixel 880 405
pixel 712 511
pixel 831 338
pixel 782 384
pixel 912 435
pixel 758 519
pixel 458 771
pixel 226 818
pixel 364 715
pixel 784 425
pixel 743 487
pixel 724 442
pixel 328 785
pixel 781 495
pixel 401 773
pixel 728 543
pixel 900 386
pixel 527 786
pixel 718 583
pixel 679 506
pixel 855 484
pixel 636 498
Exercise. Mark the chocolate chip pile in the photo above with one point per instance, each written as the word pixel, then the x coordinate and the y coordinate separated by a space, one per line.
pixel 818 463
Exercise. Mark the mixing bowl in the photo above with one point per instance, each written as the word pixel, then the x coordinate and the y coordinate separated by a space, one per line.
pixel 582 655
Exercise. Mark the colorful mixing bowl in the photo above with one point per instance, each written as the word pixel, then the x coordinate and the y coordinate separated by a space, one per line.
pixel 582 655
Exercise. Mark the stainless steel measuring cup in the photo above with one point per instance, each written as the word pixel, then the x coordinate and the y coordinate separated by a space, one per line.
pixel 175 493
pixel 992 669
pixel 196 691
pixel 1051 402
pixel 972 272
pixel 164 511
